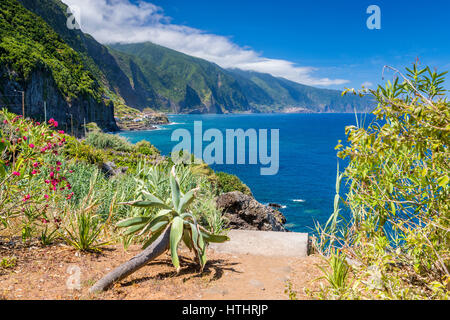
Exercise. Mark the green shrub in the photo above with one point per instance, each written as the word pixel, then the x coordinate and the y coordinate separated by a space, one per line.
pixel 102 140
pixel 146 148
pixel 81 151
pixel 229 183
pixel 398 177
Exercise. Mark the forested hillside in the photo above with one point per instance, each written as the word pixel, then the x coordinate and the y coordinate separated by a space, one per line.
pixel 36 61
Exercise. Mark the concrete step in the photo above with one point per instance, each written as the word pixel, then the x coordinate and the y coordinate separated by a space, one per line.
pixel 264 243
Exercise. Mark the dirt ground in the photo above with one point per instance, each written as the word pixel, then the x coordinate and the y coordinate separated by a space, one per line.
pixel 49 273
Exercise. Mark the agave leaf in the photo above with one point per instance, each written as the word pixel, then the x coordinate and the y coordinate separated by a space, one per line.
pixel 132 222
pixel 203 259
pixel 147 204
pixel 151 197
pixel 176 233
pixel 213 238
pixel 187 239
pixel 187 199
pixel 134 229
pixel 202 252
pixel 151 227
pixel 194 237
pixel 187 215
pixel 153 238
pixel 159 225
pixel 164 212
pixel 176 191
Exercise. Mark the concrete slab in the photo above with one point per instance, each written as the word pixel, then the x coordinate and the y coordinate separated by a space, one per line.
pixel 265 243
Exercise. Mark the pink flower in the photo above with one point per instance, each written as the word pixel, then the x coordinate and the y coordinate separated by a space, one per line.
pixel 5 121
pixel 36 164
pixel 25 138
pixel 38 123
pixel 34 172
pixel 58 163
pixel 31 145
pixel 43 150
pixel 47 181
pixel 46 196
pixel 15 173
pixel 26 198
pixel 61 132
pixel 52 174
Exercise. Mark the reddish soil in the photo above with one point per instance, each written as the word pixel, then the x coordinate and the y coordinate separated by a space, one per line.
pixel 42 273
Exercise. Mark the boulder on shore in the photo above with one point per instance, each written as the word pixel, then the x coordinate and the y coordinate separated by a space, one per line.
pixel 245 213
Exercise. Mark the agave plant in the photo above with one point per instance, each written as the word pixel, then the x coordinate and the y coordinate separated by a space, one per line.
pixel 165 230
pixel 173 214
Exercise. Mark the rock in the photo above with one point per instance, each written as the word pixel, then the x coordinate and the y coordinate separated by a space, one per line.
pixel 275 205
pixel 245 213
pixel 110 169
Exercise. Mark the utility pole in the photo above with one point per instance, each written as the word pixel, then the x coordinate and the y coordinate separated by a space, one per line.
pixel 71 123
pixel 23 102
pixel 45 111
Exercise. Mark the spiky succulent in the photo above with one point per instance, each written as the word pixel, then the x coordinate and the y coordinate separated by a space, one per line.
pixel 173 214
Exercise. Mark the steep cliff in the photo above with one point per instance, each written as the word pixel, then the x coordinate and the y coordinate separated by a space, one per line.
pixel 44 100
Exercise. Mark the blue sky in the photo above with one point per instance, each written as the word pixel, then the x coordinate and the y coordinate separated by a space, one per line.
pixel 323 43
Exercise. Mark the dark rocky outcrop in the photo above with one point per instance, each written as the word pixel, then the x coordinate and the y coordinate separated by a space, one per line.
pixel 245 213
pixel 110 169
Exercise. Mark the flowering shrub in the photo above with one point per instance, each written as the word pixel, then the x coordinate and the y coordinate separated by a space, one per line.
pixel 32 175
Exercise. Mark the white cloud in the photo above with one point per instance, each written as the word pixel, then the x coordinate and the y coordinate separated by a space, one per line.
pixel 367 84
pixel 111 21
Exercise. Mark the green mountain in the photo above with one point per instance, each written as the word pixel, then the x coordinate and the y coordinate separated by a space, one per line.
pixel 195 85
pixel 190 84
pixel 34 59
pixel 268 93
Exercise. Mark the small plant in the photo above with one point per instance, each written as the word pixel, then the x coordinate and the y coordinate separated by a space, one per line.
pixel 8 263
pixel 290 291
pixel 48 237
pixel 85 227
pixel 338 273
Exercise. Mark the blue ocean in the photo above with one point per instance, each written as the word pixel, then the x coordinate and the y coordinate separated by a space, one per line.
pixel 305 183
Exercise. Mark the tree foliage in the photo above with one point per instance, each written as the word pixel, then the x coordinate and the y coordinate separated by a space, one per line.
pixel 398 179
